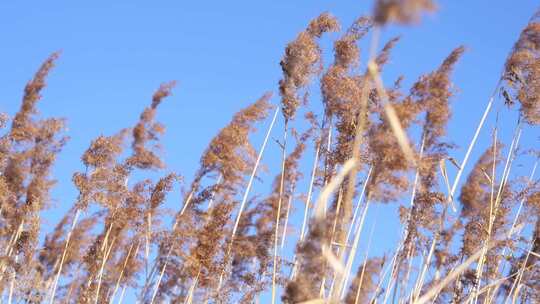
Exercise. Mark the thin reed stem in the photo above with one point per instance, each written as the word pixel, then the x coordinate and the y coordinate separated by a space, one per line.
pixel 278 212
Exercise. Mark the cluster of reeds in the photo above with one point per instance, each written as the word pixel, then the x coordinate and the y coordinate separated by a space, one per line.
pixel 372 144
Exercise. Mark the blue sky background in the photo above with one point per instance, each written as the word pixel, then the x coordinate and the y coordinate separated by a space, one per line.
pixel 224 55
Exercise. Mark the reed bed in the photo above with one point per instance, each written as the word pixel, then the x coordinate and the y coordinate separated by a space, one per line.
pixel 469 229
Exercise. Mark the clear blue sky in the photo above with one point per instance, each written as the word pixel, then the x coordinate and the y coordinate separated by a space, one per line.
pixel 223 54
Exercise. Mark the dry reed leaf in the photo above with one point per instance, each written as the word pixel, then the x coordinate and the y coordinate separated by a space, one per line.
pixel 391 115
pixel 320 205
pixel 334 262
pixel 442 166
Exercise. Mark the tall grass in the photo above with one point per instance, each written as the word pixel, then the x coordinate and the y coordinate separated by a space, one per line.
pixel 373 144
